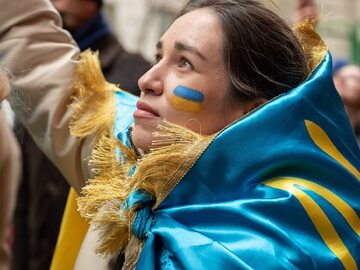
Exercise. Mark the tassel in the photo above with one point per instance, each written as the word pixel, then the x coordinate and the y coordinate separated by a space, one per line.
pixel 314 47
pixel 94 100
pixel 103 197
pixel 174 149
pixel 132 253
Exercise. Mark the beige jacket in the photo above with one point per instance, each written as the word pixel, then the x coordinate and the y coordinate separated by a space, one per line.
pixel 42 57
pixel 9 180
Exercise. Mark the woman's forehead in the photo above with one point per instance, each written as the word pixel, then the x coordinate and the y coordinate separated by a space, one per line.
pixel 200 28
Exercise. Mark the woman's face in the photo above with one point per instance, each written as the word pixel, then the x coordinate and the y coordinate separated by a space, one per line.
pixel 188 84
pixel 347 82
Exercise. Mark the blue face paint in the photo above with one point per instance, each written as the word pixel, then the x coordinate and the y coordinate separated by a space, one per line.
pixel 189 94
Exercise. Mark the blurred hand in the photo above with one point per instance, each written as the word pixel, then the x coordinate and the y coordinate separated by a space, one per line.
pixel 4 85
pixel 305 9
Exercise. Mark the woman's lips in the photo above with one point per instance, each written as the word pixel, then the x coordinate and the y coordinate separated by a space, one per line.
pixel 144 110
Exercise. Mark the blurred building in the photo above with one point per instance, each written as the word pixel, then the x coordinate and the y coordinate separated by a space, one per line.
pixel 140 23
pixel 339 25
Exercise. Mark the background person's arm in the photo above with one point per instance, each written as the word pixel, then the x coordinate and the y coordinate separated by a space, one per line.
pixel 9 180
pixel 41 57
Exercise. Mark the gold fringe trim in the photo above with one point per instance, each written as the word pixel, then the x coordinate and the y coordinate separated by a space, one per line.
pixel 174 151
pixel 103 198
pixel 314 47
pixel 93 107
pixel 132 253
pixel 94 111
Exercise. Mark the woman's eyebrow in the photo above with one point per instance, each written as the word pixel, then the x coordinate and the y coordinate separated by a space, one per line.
pixel 180 46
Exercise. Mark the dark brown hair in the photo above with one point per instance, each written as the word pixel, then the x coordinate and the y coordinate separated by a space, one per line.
pixel 263 56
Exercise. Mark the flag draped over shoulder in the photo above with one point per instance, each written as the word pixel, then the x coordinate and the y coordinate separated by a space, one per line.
pixel 278 189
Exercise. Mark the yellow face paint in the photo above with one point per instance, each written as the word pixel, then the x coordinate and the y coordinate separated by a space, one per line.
pixel 186 99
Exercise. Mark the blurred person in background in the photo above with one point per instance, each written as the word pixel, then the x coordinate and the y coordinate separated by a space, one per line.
pixel 346 75
pixel 305 9
pixel 9 179
pixel 83 19
pixel 347 82
pixel 43 192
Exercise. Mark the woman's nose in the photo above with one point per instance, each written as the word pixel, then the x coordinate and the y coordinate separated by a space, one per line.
pixel 152 81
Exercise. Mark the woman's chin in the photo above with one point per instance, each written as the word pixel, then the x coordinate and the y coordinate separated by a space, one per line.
pixel 142 138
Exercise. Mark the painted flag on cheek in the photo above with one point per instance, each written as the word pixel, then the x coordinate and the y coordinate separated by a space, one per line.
pixel 186 99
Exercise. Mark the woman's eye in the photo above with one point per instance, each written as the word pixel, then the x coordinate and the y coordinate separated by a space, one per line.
pixel 184 63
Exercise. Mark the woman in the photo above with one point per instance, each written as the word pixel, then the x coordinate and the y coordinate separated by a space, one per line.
pixel 233 184
pixel 347 82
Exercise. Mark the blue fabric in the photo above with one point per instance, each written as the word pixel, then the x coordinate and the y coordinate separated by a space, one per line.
pixel 224 215
pixel 95 29
pixel 143 214
pixel 125 107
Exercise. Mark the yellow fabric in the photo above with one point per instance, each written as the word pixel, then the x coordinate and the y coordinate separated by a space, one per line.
pixel 322 140
pixel 321 221
pixel 72 233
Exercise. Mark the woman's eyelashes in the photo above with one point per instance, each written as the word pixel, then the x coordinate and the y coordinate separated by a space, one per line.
pixel 181 61
pixel 185 64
